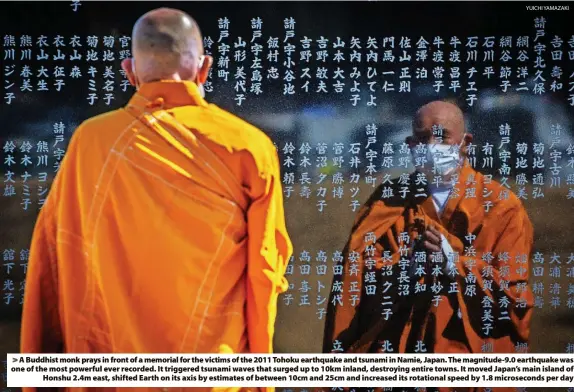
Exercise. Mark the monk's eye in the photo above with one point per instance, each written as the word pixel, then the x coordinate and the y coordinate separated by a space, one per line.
pixel 445 139
pixel 423 140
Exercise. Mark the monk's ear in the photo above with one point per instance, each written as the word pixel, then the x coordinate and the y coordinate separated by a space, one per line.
pixel 203 72
pixel 409 140
pixel 468 138
pixel 127 67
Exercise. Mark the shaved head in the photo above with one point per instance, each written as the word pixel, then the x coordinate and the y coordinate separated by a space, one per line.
pixel 165 42
pixel 439 125
pixel 444 116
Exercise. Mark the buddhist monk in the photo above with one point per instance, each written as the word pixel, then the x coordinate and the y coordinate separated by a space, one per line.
pixel 164 231
pixel 437 261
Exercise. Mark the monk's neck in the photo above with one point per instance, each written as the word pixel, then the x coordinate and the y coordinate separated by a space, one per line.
pixel 440 187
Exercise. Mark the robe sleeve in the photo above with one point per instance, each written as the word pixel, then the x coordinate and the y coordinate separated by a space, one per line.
pixel 351 311
pixel 269 251
pixel 342 323
pixel 507 295
pixel 41 330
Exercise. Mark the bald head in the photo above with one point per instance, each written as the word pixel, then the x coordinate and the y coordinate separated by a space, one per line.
pixel 437 124
pixel 439 119
pixel 165 42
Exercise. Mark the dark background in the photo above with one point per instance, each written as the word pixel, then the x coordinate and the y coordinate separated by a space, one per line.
pixel 313 19
pixel 314 117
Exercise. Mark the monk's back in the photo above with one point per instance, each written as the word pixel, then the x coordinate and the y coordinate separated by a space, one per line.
pixel 151 246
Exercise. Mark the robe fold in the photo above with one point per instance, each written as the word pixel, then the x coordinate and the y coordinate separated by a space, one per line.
pixel 164 232
pixel 484 305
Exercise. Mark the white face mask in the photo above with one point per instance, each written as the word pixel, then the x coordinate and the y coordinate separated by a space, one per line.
pixel 445 159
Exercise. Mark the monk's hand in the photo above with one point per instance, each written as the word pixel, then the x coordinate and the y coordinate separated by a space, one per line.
pixel 432 239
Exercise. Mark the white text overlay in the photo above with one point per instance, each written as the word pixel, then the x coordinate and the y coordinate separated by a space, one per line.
pixel 290 370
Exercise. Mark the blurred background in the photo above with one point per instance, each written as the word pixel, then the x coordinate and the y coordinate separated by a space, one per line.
pixel 317 120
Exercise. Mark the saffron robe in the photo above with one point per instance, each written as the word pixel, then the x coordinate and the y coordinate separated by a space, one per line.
pixel 164 232
pixel 485 305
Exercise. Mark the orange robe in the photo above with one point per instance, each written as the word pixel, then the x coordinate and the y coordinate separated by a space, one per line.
pixel 489 286
pixel 164 232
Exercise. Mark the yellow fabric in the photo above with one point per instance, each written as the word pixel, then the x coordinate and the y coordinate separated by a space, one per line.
pixel 164 232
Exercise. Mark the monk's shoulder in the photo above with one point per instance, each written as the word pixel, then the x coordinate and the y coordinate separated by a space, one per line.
pixel 385 200
pixel 88 147
pixel 240 131
pixel 503 199
pixel 239 135
pixel 389 194
pixel 381 209
pixel 101 130
pixel 107 118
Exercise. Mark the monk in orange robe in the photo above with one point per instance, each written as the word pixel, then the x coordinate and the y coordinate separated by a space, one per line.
pixel 437 261
pixel 164 231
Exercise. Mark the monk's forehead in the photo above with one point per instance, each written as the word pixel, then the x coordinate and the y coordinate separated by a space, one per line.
pixel 429 121
pixel 446 117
